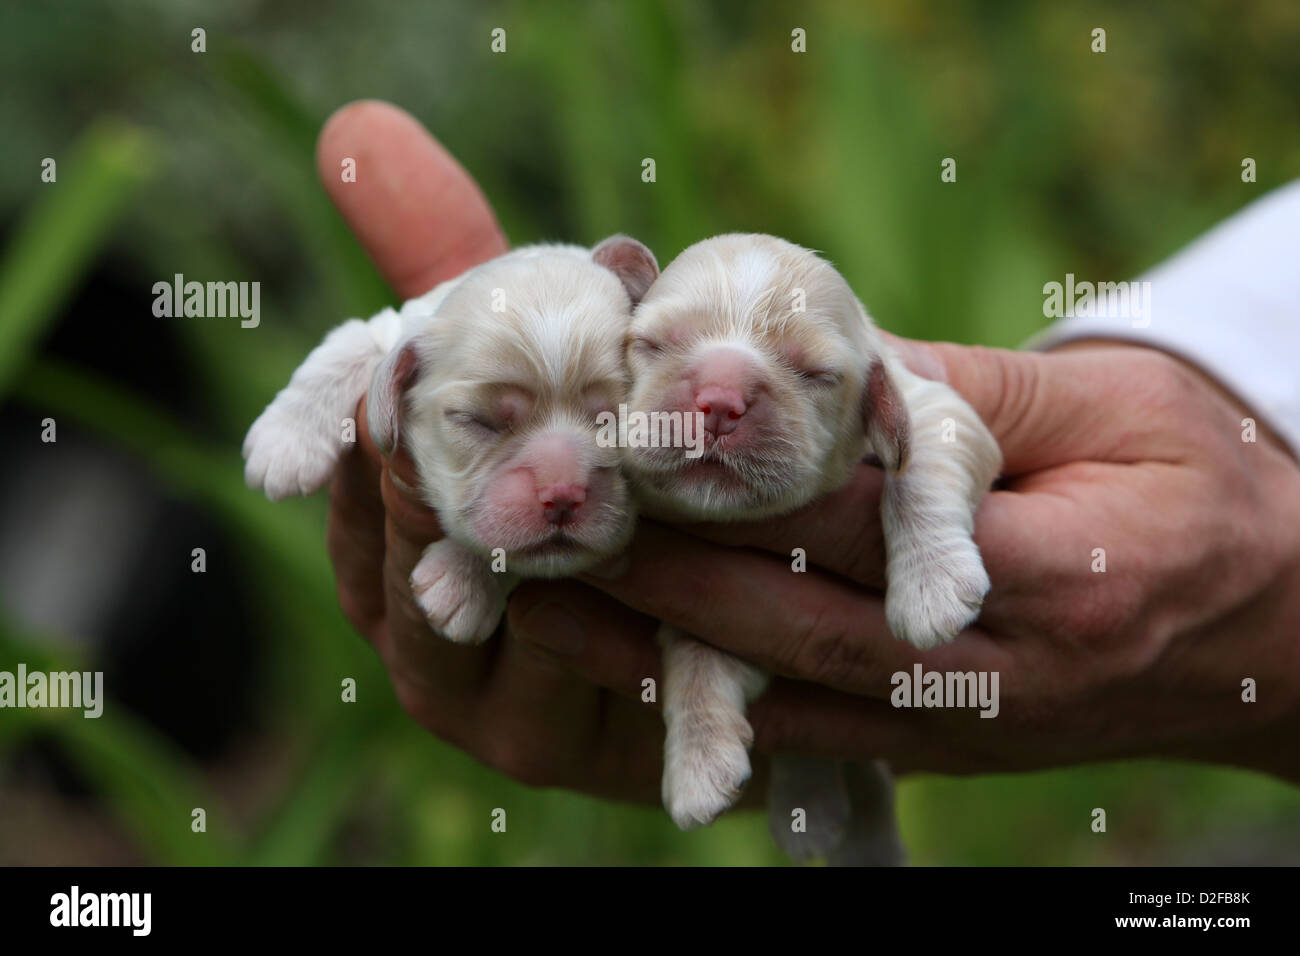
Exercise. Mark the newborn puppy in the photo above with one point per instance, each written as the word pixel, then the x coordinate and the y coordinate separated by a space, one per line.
pixel 494 380
pixel 794 386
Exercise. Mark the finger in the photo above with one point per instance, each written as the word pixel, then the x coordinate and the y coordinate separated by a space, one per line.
pixel 628 757
pixel 417 212
pixel 355 535
pixel 1051 408
pixel 615 649
pixel 803 718
pixel 804 625
pixel 610 646
pixel 1033 539
pixel 557 727
pixel 415 652
pixel 544 721
pixel 840 533
pixel 1037 406
pixel 419 215
pixel 614 750
pixel 618 648
pixel 589 633
pixel 377 534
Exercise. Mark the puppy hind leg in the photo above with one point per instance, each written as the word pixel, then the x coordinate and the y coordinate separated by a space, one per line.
pixel 706 748
pixel 808 808
pixel 872 838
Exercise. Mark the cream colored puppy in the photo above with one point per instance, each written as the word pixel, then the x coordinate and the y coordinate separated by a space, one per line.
pixel 494 380
pixel 769 345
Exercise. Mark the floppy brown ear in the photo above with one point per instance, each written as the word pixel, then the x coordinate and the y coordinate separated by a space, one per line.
pixel 885 420
pixel 395 374
pixel 631 261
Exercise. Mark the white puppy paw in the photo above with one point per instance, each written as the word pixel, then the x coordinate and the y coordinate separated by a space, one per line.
pixel 706 765
pixel 933 596
pixel 457 593
pixel 286 455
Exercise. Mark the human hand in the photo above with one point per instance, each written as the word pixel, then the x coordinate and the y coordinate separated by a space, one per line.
pixel 1117 447
pixel 422 220
pixel 1107 446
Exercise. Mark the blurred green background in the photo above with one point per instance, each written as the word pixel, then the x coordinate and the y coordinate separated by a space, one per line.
pixel 201 163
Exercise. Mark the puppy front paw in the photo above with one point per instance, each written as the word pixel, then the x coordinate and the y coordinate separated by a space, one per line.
pixel 706 766
pixel 931 598
pixel 285 456
pixel 457 594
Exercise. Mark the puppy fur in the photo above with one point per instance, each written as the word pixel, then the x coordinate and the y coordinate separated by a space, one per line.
pixel 493 380
pixel 770 344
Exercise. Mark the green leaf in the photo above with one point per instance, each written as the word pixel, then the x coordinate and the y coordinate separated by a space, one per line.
pixel 58 238
pixel 301 832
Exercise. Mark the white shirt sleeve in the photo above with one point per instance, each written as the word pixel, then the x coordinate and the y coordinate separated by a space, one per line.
pixel 1229 303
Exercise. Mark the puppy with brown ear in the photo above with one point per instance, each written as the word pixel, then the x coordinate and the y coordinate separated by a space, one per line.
pixel 494 380
pixel 794 386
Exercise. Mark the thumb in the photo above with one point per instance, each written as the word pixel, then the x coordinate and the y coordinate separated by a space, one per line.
pixel 399 486
pixel 1042 408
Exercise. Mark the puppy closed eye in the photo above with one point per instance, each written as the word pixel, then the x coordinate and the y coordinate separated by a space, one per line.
pixel 807 367
pixel 646 347
pixel 476 424
pixel 819 378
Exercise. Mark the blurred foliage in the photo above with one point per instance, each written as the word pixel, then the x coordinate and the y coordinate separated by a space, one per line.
pixel 1099 164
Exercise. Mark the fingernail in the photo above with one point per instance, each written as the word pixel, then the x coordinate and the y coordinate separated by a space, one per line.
pixel 553 627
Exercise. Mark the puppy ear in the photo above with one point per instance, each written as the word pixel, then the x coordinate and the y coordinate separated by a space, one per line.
pixel 395 374
pixel 631 261
pixel 885 420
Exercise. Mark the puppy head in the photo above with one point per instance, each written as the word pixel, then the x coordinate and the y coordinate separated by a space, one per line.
pixel 496 396
pixel 769 345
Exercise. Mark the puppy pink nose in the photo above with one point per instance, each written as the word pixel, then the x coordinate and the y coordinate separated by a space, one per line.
pixel 560 502
pixel 723 408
